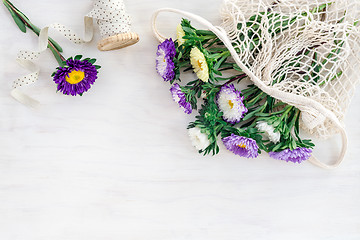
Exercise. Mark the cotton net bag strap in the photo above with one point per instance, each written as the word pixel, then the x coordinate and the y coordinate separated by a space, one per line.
pixel 315 115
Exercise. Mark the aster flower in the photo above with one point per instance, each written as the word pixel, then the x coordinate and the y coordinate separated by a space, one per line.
pixel 180 98
pixel 165 60
pixel 76 77
pixel 230 102
pixel 242 146
pixel 297 155
pixel 73 76
pixel 199 64
pixel 180 34
pixel 198 139
pixel 268 131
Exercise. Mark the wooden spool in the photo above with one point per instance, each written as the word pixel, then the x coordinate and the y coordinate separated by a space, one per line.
pixel 118 41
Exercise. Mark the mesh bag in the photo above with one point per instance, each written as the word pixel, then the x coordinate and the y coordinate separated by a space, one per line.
pixel 302 52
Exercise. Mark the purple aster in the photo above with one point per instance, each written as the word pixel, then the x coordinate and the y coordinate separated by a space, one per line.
pixel 76 77
pixel 180 98
pixel 165 60
pixel 296 156
pixel 242 146
pixel 230 102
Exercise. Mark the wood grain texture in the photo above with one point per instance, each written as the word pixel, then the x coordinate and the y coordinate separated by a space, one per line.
pixel 117 163
pixel 118 41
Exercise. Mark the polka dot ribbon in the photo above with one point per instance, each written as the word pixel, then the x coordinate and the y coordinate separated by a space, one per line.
pixel 112 19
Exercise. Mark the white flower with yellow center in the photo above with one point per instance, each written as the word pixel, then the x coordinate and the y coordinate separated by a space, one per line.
pixel 199 64
pixel 268 131
pixel 199 140
pixel 230 102
pixel 180 34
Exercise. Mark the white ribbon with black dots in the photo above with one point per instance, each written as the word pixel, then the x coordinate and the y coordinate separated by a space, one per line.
pixel 112 19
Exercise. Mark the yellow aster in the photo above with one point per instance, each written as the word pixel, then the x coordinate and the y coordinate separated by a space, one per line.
pixel 199 64
pixel 180 34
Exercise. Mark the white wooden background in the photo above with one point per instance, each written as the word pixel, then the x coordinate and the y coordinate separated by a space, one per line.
pixel 117 163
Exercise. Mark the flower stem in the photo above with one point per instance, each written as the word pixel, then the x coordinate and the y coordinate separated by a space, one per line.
pixel 19 16
pixel 235 78
pixel 286 113
pixel 296 115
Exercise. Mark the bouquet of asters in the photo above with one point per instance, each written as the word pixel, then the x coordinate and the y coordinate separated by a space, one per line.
pixel 282 54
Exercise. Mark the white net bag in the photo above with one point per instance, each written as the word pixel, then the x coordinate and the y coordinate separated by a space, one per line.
pixel 306 48
pixel 302 52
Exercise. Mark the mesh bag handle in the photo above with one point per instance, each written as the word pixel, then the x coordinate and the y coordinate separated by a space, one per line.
pixel 282 96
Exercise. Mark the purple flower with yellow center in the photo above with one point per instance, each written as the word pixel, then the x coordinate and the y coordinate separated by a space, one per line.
pixel 76 77
pixel 180 98
pixel 165 60
pixel 230 102
pixel 297 155
pixel 242 146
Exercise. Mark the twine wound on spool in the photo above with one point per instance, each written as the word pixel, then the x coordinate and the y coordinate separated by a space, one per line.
pixel 114 24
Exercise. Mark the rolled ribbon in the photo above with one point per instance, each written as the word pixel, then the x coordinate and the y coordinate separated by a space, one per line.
pixel 114 24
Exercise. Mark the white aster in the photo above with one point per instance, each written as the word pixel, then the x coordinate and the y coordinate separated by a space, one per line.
pixel 199 140
pixel 268 131
pixel 231 104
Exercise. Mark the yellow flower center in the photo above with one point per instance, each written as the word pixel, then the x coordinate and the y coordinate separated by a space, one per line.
pixel 200 65
pixel 241 145
pixel 231 104
pixel 75 77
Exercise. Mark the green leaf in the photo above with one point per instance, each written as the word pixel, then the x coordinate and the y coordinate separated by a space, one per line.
pixel 56 45
pixel 277 147
pixel 19 12
pixel 16 18
pixel 293 144
pixel 205 32
pixel 78 57
pixel 218 64
pixel 262 114
pixel 188 30
pixel 92 61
